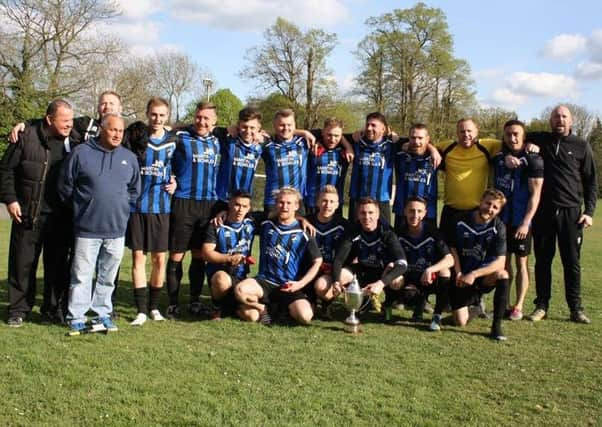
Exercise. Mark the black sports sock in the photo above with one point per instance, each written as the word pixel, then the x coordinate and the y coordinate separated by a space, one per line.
pixel 500 299
pixel 196 273
pixel 140 300
pixel 442 300
pixel 174 276
pixel 153 295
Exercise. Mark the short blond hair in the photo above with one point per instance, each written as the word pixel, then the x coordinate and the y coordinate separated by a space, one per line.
pixel 495 194
pixel 288 190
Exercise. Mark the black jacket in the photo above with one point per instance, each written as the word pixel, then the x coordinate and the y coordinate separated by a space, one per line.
pixel 29 172
pixel 569 171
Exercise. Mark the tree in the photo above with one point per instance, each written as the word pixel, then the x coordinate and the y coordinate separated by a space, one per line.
pixel 491 121
pixel 175 75
pixel 47 48
pixel 294 63
pixel 408 71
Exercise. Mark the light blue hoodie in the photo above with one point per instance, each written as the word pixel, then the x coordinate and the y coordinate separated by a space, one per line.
pixel 101 184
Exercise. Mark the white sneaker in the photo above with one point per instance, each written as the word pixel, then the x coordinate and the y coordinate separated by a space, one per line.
pixel 156 316
pixel 139 320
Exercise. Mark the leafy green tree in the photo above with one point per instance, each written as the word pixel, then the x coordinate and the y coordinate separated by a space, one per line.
pixel 294 63
pixel 408 71
pixel 228 105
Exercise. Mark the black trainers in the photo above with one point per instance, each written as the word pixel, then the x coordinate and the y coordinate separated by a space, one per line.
pixel 265 318
pixel 579 316
pixel 15 321
pixel 198 309
pixel 497 334
pixel 172 312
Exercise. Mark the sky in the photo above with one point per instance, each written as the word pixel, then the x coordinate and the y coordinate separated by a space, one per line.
pixel 524 55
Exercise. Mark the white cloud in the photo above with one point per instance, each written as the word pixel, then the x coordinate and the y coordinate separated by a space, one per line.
pixel 488 74
pixel 594 46
pixel 565 47
pixel 136 33
pixel 589 70
pixel 542 84
pixel 508 98
pixel 251 15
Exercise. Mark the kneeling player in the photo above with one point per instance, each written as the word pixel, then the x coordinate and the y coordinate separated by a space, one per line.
pixel 330 230
pixel 285 249
pixel 370 246
pixel 226 249
pixel 429 263
pixel 479 250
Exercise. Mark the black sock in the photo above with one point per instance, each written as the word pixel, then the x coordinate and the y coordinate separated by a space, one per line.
pixel 442 300
pixel 153 296
pixel 196 272
pixel 174 276
pixel 140 300
pixel 500 299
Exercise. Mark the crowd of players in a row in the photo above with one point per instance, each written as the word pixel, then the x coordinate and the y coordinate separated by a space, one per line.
pixel 190 189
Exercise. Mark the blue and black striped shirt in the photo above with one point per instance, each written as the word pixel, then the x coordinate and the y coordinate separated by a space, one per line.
pixel 195 164
pixel 285 166
pixel 283 249
pixel 237 167
pixel 231 238
pixel 415 176
pixel 327 168
pixel 372 174
pixel 155 173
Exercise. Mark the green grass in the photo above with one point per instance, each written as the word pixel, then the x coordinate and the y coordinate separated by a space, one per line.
pixel 230 373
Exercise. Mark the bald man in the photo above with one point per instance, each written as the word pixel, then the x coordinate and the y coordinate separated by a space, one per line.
pixel 569 183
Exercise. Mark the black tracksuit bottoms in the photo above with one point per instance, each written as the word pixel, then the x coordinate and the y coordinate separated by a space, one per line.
pixel 54 236
pixel 549 224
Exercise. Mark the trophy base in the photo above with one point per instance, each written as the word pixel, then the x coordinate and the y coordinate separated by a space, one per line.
pixel 352 328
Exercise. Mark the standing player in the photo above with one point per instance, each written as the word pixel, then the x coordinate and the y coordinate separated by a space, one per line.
pixel 285 159
pixel 522 188
pixel 226 249
pixel 148 227
pixel 195 164
pixel 569 182
pixel 479 250
pixel 466 166
pixel 415 175
pixel 285 250
pixel 370 251
pixel 330 230
pixel 239 156
pixel 429 263
pixel 327 165
pixel 373 164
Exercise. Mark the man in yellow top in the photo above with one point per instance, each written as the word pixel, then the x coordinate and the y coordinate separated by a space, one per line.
pixel 466 165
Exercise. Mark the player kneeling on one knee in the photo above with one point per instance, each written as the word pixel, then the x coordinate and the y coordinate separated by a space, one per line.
pixel 226 249
pixel 479 251
pixel 371 245
pixel 429 262
pixel 285 249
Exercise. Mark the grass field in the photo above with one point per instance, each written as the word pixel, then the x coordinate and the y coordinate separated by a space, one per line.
pixel 230 373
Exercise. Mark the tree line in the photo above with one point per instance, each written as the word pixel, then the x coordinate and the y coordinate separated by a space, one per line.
pixel 406 68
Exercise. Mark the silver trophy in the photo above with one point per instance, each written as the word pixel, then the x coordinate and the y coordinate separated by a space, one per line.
pixel 353 301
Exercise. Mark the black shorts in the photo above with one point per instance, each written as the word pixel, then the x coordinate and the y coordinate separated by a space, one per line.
pixel 365 275
pixel 520 247
pixel 228 303
pixel 188 221
pixel 148 232
pixel 468 295
pixel 273 295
